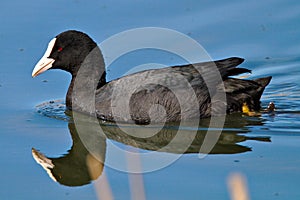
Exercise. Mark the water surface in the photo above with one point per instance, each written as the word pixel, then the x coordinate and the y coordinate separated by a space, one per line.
pixel 266 34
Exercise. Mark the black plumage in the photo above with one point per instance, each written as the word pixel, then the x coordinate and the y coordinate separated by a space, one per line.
pixel 154 94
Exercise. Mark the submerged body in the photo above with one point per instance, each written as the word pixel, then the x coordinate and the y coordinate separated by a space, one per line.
pixel 158 95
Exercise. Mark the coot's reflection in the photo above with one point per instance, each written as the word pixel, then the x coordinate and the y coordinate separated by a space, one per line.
pixel 81 165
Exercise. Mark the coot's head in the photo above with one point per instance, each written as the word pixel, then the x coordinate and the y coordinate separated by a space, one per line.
pixel 66 51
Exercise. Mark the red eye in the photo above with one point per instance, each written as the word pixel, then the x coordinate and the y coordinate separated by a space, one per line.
pixel 59 49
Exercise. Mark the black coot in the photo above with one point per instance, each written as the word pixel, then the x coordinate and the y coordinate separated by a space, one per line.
pixel 169 100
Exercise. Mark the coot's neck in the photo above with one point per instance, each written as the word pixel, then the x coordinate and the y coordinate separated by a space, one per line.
pixel 88 76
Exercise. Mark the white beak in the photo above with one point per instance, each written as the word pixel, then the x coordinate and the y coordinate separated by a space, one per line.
pixel 45 63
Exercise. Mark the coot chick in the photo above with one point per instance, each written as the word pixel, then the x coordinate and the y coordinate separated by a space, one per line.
pixel 152 95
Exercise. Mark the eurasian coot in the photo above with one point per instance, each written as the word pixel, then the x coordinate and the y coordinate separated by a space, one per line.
pixel 155 95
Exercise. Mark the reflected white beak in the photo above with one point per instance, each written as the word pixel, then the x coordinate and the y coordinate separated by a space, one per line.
pixel 45 162
pixel 45 63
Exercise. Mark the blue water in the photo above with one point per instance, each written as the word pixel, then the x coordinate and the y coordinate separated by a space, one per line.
pixel 265 33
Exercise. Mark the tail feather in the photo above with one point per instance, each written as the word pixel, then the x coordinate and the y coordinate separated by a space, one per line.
pixel 263 81
pixel 227 67
pixel 240 91
pixel 237 71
